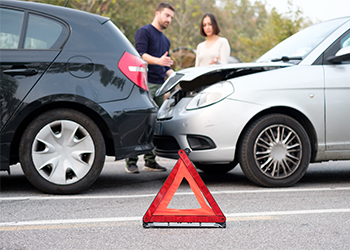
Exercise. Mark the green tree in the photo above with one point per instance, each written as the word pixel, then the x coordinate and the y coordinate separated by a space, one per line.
pixel 269 33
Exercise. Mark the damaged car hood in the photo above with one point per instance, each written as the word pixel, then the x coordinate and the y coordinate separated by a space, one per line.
pixel 192 78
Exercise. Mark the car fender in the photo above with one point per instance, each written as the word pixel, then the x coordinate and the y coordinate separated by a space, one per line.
pixel 301 91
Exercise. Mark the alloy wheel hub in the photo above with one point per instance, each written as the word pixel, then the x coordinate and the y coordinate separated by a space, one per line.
pixel 278 151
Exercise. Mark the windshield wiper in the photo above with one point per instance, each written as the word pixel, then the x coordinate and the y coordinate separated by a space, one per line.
pixel 286 59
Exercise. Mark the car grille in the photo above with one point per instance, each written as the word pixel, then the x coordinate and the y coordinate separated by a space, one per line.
pixel 166 143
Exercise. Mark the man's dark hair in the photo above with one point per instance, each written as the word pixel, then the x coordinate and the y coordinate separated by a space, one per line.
pixel 214 23
pixel 162 6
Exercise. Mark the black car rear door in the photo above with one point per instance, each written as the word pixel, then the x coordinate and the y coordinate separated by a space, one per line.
pixel 29 43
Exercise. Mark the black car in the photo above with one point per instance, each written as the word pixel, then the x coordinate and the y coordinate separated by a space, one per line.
pixel 73 89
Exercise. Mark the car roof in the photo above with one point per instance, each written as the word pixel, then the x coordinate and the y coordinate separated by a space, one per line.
pixel 50 9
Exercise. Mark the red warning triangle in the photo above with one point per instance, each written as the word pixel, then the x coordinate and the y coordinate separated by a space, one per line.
pixel 159 211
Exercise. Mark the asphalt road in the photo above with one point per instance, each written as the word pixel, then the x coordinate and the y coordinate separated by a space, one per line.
pixel 313 214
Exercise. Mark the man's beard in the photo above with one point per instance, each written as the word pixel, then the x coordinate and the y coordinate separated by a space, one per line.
pixel 164 25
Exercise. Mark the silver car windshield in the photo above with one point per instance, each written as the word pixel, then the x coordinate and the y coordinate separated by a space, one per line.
pixel 299 45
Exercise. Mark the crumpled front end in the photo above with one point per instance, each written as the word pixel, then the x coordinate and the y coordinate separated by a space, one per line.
pixel 183 120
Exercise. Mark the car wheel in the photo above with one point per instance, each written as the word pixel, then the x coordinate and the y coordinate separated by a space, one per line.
pixel 216 168
pixel 275 151
pixel 62 151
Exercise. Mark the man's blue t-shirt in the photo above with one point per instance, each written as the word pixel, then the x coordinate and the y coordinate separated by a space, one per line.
pixel 153 42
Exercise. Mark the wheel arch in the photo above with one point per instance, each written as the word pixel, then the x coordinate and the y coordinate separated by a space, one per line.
pixel 90 112
pixel 297 115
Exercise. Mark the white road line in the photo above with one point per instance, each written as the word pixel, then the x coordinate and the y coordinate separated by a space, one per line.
pixel 127 219
pixel 281 190
pixel 74 197
pixel 291 212
pixel 263 190
pixel 73 221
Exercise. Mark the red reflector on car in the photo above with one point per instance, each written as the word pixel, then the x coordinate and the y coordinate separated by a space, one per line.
pixel 134 68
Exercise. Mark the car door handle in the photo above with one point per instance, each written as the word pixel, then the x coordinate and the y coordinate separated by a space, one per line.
pixel 22 72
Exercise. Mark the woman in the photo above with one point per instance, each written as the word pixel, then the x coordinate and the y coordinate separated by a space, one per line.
pixel 214 49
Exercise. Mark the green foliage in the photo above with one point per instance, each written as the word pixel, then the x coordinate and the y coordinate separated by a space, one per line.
pixel 250 29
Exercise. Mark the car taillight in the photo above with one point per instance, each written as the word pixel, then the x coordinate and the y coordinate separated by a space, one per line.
pixel 134 68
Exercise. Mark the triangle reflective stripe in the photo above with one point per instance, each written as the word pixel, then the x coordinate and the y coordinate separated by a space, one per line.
pixel 182 173
pixel 159 211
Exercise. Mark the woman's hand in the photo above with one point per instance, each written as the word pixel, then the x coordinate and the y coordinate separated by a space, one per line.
pixel 214 61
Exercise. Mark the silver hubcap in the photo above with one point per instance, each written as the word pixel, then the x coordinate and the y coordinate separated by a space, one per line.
pixel 63 152
pixel 278 151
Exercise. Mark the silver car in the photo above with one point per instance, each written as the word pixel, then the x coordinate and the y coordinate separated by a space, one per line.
pixel 273 116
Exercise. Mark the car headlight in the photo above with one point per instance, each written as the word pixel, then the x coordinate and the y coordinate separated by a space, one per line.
pixel 211 95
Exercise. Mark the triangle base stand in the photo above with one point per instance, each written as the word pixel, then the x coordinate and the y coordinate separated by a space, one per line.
pixel 183 225
pixel 159 215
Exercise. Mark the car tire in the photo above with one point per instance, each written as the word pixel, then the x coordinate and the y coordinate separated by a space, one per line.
pixel 275 151
pixel 216 168
pixel 62 151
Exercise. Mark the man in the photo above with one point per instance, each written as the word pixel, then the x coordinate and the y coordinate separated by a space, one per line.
pixel 154 46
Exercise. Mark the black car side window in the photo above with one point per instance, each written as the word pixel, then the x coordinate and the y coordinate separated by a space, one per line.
pixel 43 33
pixel 10 28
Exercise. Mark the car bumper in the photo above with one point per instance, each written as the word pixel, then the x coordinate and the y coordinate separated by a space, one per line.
pixel 132 124
pixel 211 133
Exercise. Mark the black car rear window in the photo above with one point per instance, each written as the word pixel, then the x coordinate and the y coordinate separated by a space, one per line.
pixel 43 33
pixel 23 30
pixel 10 28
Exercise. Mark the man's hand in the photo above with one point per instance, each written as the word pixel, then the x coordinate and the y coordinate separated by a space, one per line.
pixel 165 60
